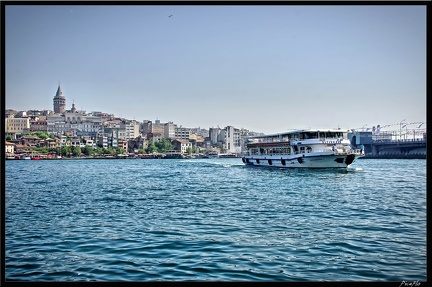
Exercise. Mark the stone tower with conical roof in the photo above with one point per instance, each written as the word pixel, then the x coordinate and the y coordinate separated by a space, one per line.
pixel 59 102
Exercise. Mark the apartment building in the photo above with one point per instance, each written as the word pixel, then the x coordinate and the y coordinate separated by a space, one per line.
pixel 181 145
pixel 169 130
pixel 38 125
pixel 75 123
pixel 131 129
pixel 214 135
pixel 102 141
pixel 158 127
pixel 17 126
pixel 182 133
pixel 10 148
pixel 146 127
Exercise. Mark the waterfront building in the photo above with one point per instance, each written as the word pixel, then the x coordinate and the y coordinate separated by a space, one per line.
pixel 232 139
pixel 117 132
pixel 122 143
pixel 117 129
pixel 56 124
pixel 155 137
pixel 17 126
pixel 169 130
pixel 59 102
pixel 158 127
pixel 182 133
pixel 89 126
pixel 81 142
pixel 49 143
pixel 75 142
pixel 20 148
pixel 65 141
pixel 214 135
pixel 38 125
pixel 146 127
pixel 193 137
pixel 131 129
pixel 229 138
pixel 31 141
pixel 114 128
pixel 200 132
pixel 88 141
pixel 9 148
pixel 77 123
pixel 102 141
pixel 113 134
pixel 198 142
pixel 181 145
pixel 135 144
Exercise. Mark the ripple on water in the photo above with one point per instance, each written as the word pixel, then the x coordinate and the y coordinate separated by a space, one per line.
pixel 214 220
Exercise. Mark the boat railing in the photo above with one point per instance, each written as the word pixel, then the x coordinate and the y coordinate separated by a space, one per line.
pixel 347 151
pixel 342 151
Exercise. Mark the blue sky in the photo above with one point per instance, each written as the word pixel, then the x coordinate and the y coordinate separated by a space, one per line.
pixel 263 68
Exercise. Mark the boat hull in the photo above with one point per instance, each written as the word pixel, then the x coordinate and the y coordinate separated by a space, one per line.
pixel 302 161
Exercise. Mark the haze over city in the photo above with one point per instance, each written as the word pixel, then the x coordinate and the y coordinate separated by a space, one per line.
pixel 263 68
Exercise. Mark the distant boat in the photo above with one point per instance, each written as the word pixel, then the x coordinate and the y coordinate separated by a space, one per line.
pixel 212 154
pixel 36 158
pixel 174 155
pixel 228 155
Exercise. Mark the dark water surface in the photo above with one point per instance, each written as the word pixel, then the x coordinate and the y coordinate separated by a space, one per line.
pixel 214 220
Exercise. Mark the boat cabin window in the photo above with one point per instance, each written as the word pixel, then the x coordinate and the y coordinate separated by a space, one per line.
pixel 294 136
pixel 310 135
pixel 324 135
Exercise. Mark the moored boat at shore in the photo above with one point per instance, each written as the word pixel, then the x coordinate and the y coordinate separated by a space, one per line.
pixel 173 155
pixel 228 155
pixel 302 149
pixel 212 154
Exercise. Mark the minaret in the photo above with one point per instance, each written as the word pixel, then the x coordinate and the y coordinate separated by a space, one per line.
pixel 59 102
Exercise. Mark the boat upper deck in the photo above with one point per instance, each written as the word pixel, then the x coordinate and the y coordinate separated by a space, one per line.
pixel 297 135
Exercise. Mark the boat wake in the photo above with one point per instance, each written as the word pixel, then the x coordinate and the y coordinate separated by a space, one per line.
pixel 354 169
pixel 207 162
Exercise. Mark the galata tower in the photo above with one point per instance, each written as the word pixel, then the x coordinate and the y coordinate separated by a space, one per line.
pixel 59 102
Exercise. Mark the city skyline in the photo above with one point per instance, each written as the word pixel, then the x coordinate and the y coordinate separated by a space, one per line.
pixel 263 68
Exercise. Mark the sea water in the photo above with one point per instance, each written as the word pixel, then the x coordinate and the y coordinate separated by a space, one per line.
pixel 214 220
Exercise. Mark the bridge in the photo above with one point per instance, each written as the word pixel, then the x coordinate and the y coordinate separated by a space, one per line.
pixel 412 148
pixel 391 144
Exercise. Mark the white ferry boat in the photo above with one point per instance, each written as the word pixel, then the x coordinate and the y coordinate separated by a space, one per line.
pixel 302 148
